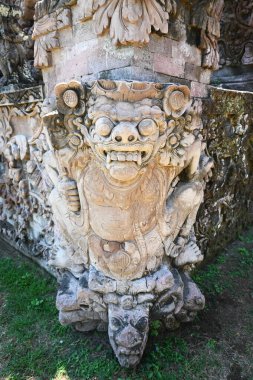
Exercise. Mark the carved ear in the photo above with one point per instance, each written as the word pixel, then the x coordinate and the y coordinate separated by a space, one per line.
pixel 70 98
pixel 176 100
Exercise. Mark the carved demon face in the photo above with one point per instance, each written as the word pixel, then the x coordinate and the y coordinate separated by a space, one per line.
pixel 125 135
pixel 124 123
pixel 128 333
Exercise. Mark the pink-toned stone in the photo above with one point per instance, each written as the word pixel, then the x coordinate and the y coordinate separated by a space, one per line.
pixel 159 44
pixel 168 66
pixel 198 90
pixel 186 52
pixel 143 58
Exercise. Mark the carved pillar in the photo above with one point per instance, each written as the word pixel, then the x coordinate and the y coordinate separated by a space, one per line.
pixel 129 171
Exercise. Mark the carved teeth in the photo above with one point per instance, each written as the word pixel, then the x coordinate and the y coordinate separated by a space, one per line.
pixel 121 157
pixel 114 156
pixel 124 156
pixel 108 158
pixel 139 159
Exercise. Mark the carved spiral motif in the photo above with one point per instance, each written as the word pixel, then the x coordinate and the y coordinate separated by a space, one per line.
pixel 176 100
pixel 75 141
pixel 174 140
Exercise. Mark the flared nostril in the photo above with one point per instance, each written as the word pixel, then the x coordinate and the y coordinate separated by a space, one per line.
pixel 118 138
pixel 131 138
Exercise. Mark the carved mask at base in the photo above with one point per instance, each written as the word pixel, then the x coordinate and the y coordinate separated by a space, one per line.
pixel 128 333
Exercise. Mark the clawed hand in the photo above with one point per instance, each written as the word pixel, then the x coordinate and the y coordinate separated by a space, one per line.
pixel 68 188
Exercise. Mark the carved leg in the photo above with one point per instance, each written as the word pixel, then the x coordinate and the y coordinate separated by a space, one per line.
pixel 181 212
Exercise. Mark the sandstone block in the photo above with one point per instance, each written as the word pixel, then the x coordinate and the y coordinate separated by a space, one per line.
pixel 168 66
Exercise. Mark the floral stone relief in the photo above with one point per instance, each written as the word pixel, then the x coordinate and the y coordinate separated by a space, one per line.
pixel 129 21
pixel 128 168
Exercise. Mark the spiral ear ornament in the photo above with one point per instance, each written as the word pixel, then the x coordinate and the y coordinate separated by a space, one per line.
pixel 176 100
pixel 75 141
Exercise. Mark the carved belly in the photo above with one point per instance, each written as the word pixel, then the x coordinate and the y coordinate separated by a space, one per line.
pixel 114 211
pixel 116 224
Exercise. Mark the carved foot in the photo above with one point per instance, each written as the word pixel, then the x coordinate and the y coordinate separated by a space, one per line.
pixel 206 165
pixel 190 255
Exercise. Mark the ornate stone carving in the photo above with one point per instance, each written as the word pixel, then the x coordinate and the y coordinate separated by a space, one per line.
pixel 129 171
pixel 228 130
pixel 236 42
pixel 45 7
pixel 206 15
pixel 129 21
pixel 46 36
pixel 16 65
pixel 50 17
pixel 25 215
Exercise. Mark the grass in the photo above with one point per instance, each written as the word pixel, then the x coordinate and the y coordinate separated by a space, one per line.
pixel 218 276
pixel 34 346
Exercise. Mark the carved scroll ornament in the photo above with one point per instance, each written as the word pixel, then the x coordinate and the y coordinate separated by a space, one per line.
pixel 129 172
pixel 129 21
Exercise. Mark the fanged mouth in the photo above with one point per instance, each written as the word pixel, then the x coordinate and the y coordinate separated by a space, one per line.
pixel 128 352
pixel 135 156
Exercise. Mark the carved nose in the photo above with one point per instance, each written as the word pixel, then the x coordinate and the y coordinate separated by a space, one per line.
pixel 128 338
pixel 125 134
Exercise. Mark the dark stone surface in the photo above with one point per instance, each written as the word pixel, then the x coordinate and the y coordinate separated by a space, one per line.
pixel 228 204
pixel 234 78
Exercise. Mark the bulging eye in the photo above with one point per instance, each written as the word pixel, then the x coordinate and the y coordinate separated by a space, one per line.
pixel 147 127
pixel 142 324
pixel 103 126
pixel 116 324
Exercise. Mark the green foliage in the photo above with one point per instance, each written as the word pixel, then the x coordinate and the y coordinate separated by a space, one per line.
pixel 211 344
pixel 155 327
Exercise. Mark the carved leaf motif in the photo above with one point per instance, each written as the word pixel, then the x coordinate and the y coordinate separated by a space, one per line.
pixel 42 48
pixel 45 35
pixel 206 17
pixel 45 25
pixel 130 21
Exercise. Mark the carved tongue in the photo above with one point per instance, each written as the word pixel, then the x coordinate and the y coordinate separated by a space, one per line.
pixel 122 171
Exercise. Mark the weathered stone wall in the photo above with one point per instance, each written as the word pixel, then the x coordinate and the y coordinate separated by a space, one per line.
pixel 228 204
pixel 25 215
